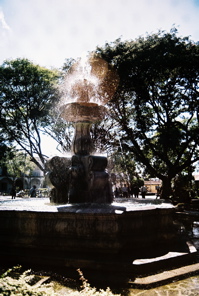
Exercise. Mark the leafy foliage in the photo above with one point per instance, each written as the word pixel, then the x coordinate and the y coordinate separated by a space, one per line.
pixel 27 93
pixel 123 166
pixel 88 290
pixel 156 105
pixel 19 165
pixel 10 286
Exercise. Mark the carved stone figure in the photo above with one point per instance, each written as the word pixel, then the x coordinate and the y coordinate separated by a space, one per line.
pixel 58 174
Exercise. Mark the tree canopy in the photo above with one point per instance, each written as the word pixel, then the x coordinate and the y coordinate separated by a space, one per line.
pixel 156 106
pixel 27 94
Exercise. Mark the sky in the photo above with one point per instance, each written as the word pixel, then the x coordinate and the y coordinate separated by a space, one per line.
pixel 49 31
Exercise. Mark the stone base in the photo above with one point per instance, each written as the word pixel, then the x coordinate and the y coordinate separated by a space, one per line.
pixel 113 242
pixel 139 273
pixel 162 270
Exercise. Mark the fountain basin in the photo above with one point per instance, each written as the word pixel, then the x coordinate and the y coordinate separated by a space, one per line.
pixel 83 235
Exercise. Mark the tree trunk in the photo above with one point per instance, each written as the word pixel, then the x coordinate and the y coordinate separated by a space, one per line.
pixel 166 188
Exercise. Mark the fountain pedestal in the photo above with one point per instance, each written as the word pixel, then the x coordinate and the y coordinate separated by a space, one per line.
pixel 85 178
pixel 89 181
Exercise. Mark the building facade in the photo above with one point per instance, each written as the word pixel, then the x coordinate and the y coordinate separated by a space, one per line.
pixel 23 183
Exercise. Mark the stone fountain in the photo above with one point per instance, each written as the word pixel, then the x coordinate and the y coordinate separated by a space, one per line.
pixel 82 227
pixel 83 179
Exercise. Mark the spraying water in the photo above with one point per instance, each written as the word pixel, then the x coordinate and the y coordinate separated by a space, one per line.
pixel 90 80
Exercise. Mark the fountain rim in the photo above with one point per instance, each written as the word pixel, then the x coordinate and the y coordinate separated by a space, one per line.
pixel 81 112
pixel 90 208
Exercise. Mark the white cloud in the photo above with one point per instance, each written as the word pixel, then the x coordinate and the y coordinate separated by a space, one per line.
pixel 3 24
pixel 48 31
pixel 5 31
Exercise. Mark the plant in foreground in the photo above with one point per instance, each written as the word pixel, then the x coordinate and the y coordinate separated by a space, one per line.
pixel 22 286
pixel 89 291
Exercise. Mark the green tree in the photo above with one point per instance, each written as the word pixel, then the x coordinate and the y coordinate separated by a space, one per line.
pixel 27 94
pixel 6 153
pixel 19 165
pixel 156 107
pixel 123 165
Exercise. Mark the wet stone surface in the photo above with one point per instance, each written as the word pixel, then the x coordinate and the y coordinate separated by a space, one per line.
pixel 44 205
pixel 186 287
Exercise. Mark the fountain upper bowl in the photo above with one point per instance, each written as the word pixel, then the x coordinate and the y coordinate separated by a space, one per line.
pixel 82 111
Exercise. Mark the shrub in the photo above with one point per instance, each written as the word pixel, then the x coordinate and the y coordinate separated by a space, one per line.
pixel 87 290
pixel 21 286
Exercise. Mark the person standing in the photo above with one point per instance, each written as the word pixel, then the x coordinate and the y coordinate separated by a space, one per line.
pixel 33 192
pixel 125 191
pixel 136 191
pixel 158 188
pixel 143 191
pixel 116 192
pixel 13 192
